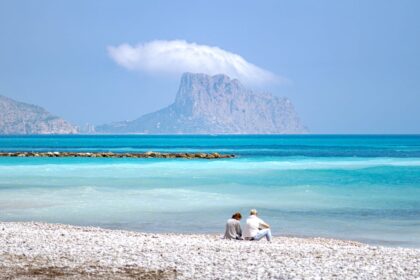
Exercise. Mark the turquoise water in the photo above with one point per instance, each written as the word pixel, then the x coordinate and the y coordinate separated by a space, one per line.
pixel 363 188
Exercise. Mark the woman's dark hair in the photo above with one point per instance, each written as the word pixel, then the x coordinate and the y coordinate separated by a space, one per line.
pixel 237 215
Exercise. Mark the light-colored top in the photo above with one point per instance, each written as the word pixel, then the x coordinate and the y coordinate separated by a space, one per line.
pixel 233 229
pixel 253 225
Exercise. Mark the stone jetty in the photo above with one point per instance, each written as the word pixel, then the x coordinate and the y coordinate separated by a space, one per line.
pixel 118 155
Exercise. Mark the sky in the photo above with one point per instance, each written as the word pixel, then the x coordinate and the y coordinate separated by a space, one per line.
pixel 347 66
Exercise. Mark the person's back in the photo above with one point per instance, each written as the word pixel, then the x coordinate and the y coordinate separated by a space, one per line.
pixel 255 228
pixel 252 226
pixel 233 227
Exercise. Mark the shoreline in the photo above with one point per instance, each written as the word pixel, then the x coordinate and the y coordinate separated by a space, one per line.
pixel 46 251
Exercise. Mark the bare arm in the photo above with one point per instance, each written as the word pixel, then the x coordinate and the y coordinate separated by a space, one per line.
pixel 264 224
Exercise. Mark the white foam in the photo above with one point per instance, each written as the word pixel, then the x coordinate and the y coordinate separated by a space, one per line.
pixel 166 167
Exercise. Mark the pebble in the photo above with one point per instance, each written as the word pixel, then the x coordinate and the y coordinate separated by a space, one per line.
pixel 41 250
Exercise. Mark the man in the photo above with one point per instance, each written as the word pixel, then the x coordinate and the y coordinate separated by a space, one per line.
pixel 233 227
pixel 255 228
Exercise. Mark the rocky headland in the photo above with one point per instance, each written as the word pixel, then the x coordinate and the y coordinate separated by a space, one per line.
pixel 203 105
pixel 22 118
pixel 216 105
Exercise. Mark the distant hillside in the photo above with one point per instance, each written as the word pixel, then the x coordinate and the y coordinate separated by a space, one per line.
pixel 215 105
pixel 21 118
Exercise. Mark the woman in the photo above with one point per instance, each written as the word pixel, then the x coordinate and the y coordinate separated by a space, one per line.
pixel 233 227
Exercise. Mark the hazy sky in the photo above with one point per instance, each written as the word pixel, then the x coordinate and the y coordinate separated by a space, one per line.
pixel 348 66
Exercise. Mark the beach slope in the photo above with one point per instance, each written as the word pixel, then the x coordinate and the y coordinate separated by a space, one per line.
pixel 54 251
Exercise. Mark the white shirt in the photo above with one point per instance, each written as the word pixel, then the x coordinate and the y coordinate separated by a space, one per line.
pixel 253 223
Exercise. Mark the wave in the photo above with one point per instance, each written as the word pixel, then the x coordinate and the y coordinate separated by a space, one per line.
pixel 90 167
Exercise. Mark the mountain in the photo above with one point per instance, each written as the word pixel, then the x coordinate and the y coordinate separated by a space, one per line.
pixel 215 105
pixel 21 118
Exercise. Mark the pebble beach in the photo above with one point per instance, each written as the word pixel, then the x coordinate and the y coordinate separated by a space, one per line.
pixel 32 250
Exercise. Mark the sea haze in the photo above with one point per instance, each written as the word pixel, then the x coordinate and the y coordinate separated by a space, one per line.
pixel 363 188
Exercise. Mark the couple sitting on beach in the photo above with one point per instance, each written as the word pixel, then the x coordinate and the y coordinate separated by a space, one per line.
pixel 255 228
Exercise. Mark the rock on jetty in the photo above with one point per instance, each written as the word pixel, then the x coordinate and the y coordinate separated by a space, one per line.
pixel 118 155
pixel 51 251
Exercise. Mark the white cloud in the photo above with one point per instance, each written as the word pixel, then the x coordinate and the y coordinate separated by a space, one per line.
pixel 176 57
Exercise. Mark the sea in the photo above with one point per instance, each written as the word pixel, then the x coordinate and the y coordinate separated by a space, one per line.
pixel 358 187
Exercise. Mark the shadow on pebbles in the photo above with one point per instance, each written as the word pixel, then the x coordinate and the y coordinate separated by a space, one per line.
pixel 33 270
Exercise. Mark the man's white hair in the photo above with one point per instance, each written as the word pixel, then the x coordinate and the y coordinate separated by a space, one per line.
pixel 253 212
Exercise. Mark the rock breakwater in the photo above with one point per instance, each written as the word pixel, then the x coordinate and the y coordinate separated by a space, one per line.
pixel 118 155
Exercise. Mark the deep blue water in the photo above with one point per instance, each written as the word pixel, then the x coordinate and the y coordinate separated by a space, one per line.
pixel 357 187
